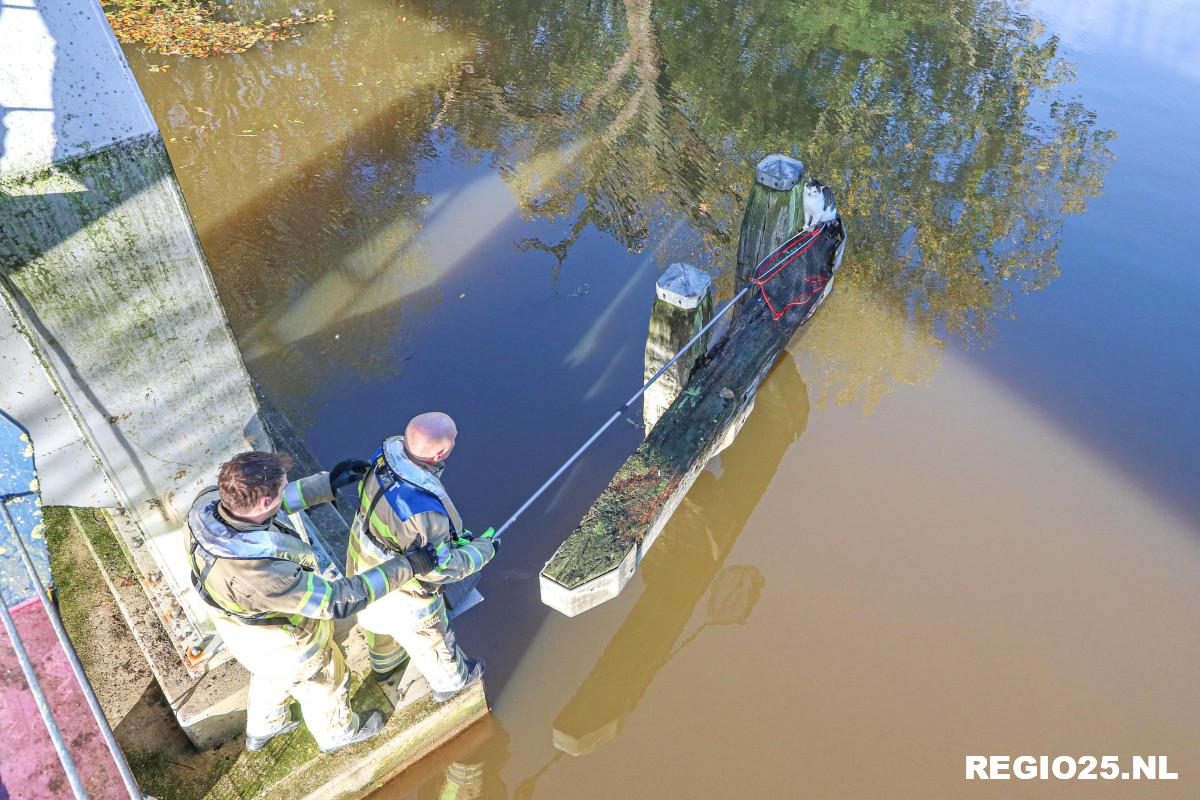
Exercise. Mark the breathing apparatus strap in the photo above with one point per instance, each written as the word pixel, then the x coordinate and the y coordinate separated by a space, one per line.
pixel 199 583
pixel 386 478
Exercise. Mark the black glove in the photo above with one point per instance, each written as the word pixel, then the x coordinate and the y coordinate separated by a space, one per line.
pixel 347 472
pixel 421 560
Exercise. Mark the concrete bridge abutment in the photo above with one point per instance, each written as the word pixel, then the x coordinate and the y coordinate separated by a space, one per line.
pixel 127 361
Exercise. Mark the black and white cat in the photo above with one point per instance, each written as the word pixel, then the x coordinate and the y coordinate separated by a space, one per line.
pixel 819 206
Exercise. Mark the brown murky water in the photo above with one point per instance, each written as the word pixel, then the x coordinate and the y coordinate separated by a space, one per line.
pixel 962 518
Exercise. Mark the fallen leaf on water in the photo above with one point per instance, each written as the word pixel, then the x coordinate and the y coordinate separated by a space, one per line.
pixel 189 28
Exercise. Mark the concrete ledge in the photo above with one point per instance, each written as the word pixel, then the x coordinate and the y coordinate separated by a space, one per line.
pixel 207 697
pixel 574 600
pixel 417 727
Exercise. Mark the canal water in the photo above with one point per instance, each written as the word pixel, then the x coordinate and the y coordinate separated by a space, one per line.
pixel 963 517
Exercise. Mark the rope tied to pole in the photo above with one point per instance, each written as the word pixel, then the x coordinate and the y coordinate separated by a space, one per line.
pixel 775 262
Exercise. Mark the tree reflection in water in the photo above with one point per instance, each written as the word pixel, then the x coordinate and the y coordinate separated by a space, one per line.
pixel 944 128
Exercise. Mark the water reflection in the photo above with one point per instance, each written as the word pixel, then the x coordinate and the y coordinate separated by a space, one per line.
pixel 634 119
pixel 467 768
pixel 353 186
pixel 688 561
pixel 953 213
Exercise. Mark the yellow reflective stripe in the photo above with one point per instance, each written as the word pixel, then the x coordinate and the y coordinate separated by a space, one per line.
pixel 353 553
pixel 307 594
pixel 293 498
pixel 325 592
pixel 225 602
pixel 472 555
pixel 382 529
pixel 383 576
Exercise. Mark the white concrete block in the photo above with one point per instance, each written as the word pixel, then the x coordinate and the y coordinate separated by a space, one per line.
pixel 573 602
pixel 683 285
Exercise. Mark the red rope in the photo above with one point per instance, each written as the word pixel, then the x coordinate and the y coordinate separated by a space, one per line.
pixel 767 271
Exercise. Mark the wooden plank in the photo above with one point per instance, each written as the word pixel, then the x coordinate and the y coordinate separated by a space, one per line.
pixel 599 556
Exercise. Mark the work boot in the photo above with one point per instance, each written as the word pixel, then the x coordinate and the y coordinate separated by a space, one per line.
pixel 371 724
pixel 256 743
pixel 475 667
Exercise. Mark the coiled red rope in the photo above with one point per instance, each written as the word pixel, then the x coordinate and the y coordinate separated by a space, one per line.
pixel 783 256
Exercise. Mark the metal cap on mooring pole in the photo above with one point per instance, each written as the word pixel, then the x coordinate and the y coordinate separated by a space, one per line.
pixel 778 171
pixel 683 286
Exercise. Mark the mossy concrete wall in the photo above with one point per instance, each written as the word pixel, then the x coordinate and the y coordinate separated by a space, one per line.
pixel 111 287
pixel 101 267
pixel 103 276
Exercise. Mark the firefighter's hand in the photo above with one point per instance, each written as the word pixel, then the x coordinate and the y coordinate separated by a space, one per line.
pixel 347 472
pixel 420 560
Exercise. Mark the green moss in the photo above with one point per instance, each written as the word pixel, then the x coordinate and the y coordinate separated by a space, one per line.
pixel 72 580
pixel 105 545
pixel 616 519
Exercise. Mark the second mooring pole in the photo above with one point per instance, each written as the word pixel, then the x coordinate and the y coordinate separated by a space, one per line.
pixel 597 560
pixel 683 305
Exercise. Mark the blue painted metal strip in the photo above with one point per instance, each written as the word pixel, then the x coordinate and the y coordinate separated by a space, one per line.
pixel 19 492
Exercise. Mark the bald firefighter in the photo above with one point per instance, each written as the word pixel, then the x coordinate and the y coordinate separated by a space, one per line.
pixel 272 607
pixel 404 509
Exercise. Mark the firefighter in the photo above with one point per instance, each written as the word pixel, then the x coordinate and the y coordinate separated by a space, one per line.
pixel 272 607
pixel 404 509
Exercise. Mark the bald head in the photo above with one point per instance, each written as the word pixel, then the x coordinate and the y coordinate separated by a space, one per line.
pixel 430 436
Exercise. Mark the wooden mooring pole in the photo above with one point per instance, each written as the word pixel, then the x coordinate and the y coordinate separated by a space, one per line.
pixel 599 557
pixel 682 307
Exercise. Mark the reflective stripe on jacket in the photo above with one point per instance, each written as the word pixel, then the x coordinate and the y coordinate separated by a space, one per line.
pixel 264 572
pixel 411 516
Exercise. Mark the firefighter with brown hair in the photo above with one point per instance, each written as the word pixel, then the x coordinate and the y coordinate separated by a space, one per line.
pixel 272 607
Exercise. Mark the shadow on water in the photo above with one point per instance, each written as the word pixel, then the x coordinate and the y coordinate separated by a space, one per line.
pixel 689 560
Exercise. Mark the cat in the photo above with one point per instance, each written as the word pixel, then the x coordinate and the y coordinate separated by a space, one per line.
pixel 819 206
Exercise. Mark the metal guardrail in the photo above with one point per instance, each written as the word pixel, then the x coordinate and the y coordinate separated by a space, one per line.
pixel 18 473
pixel 76 667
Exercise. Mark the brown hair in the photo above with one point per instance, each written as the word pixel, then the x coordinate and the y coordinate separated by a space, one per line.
pixel 248 477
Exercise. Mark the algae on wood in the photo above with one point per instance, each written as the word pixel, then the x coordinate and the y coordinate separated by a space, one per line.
pixel 650 485
pixel 671 328
pixel 770 218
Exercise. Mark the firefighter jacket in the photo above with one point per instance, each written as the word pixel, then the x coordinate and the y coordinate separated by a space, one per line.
pixel 413 511
pixel 265 574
